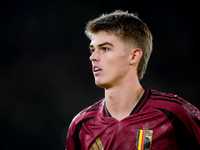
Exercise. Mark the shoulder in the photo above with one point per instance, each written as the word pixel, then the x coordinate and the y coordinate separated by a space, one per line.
pixel 73 141
pixel 175 104
pixel 88 113
pixel 184 117
pixel 170 100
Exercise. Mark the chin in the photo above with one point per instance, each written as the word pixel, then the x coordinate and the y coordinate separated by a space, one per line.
pixel 102 84
pixel 99 84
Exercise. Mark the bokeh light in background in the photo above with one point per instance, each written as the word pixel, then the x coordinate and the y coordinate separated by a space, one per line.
pixel 45 73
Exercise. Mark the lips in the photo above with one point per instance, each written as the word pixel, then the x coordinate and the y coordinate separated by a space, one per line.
pixel 96 69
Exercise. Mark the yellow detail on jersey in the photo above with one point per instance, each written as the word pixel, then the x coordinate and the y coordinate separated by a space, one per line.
pixel 140 140
pixel 97 145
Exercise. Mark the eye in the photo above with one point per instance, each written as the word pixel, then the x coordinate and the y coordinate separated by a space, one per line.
pixel 92 50
pixel 105 49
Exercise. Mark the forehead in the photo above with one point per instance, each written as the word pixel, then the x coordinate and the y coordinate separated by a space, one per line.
pixel 102 37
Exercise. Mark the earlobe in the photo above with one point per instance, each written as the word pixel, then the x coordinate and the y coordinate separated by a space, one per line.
pixel 136 55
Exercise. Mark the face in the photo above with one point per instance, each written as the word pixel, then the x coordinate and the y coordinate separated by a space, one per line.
pixel 110 60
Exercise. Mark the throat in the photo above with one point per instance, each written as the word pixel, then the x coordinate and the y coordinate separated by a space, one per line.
pixel 120 113
pixel 120 107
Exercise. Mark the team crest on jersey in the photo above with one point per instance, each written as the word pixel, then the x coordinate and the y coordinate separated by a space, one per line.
pixel 144 139
pixel 97 145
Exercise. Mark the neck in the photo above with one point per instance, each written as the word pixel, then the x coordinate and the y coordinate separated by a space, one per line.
pixel 121 100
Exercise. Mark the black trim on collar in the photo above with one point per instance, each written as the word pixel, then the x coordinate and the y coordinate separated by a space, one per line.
pixel 139 105
pixel 142 101
pixel 106 112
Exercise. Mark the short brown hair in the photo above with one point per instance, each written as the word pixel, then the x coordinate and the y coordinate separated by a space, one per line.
pixel 127 27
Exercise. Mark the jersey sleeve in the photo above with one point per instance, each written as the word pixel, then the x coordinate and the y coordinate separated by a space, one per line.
pixel 73 141
pixel 194 116
pixel 190 117
pixel 184 118
pixel 70 145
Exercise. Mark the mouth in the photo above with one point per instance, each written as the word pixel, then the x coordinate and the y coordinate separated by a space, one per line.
pixel 96 69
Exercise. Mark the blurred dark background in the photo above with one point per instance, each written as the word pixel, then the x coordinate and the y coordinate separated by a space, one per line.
pixel 45 73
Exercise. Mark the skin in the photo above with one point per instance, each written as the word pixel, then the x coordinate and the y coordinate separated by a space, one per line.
pixel 117 74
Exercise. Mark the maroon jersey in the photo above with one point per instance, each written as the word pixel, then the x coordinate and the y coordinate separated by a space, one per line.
pixel 160 121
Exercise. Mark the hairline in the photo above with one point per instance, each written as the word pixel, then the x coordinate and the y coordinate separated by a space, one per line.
pixel 128 43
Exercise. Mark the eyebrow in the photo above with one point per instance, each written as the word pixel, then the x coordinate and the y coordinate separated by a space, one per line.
pixel 102 44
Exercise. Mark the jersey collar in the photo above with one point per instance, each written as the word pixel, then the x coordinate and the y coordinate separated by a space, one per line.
pixel 137 108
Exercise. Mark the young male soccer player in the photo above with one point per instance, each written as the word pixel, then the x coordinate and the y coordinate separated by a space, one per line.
pixel 130 117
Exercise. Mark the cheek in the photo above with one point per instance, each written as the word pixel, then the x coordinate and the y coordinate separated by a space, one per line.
pixel 118 64
pixel 122 61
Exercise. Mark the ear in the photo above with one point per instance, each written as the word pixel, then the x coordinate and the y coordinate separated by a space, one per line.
pixel 135 55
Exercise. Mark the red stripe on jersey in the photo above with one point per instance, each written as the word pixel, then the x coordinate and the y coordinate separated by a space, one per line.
pixel 142 103
pixel 142 143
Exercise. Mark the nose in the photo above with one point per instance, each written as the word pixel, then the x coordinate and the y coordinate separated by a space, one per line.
pixel 94 56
